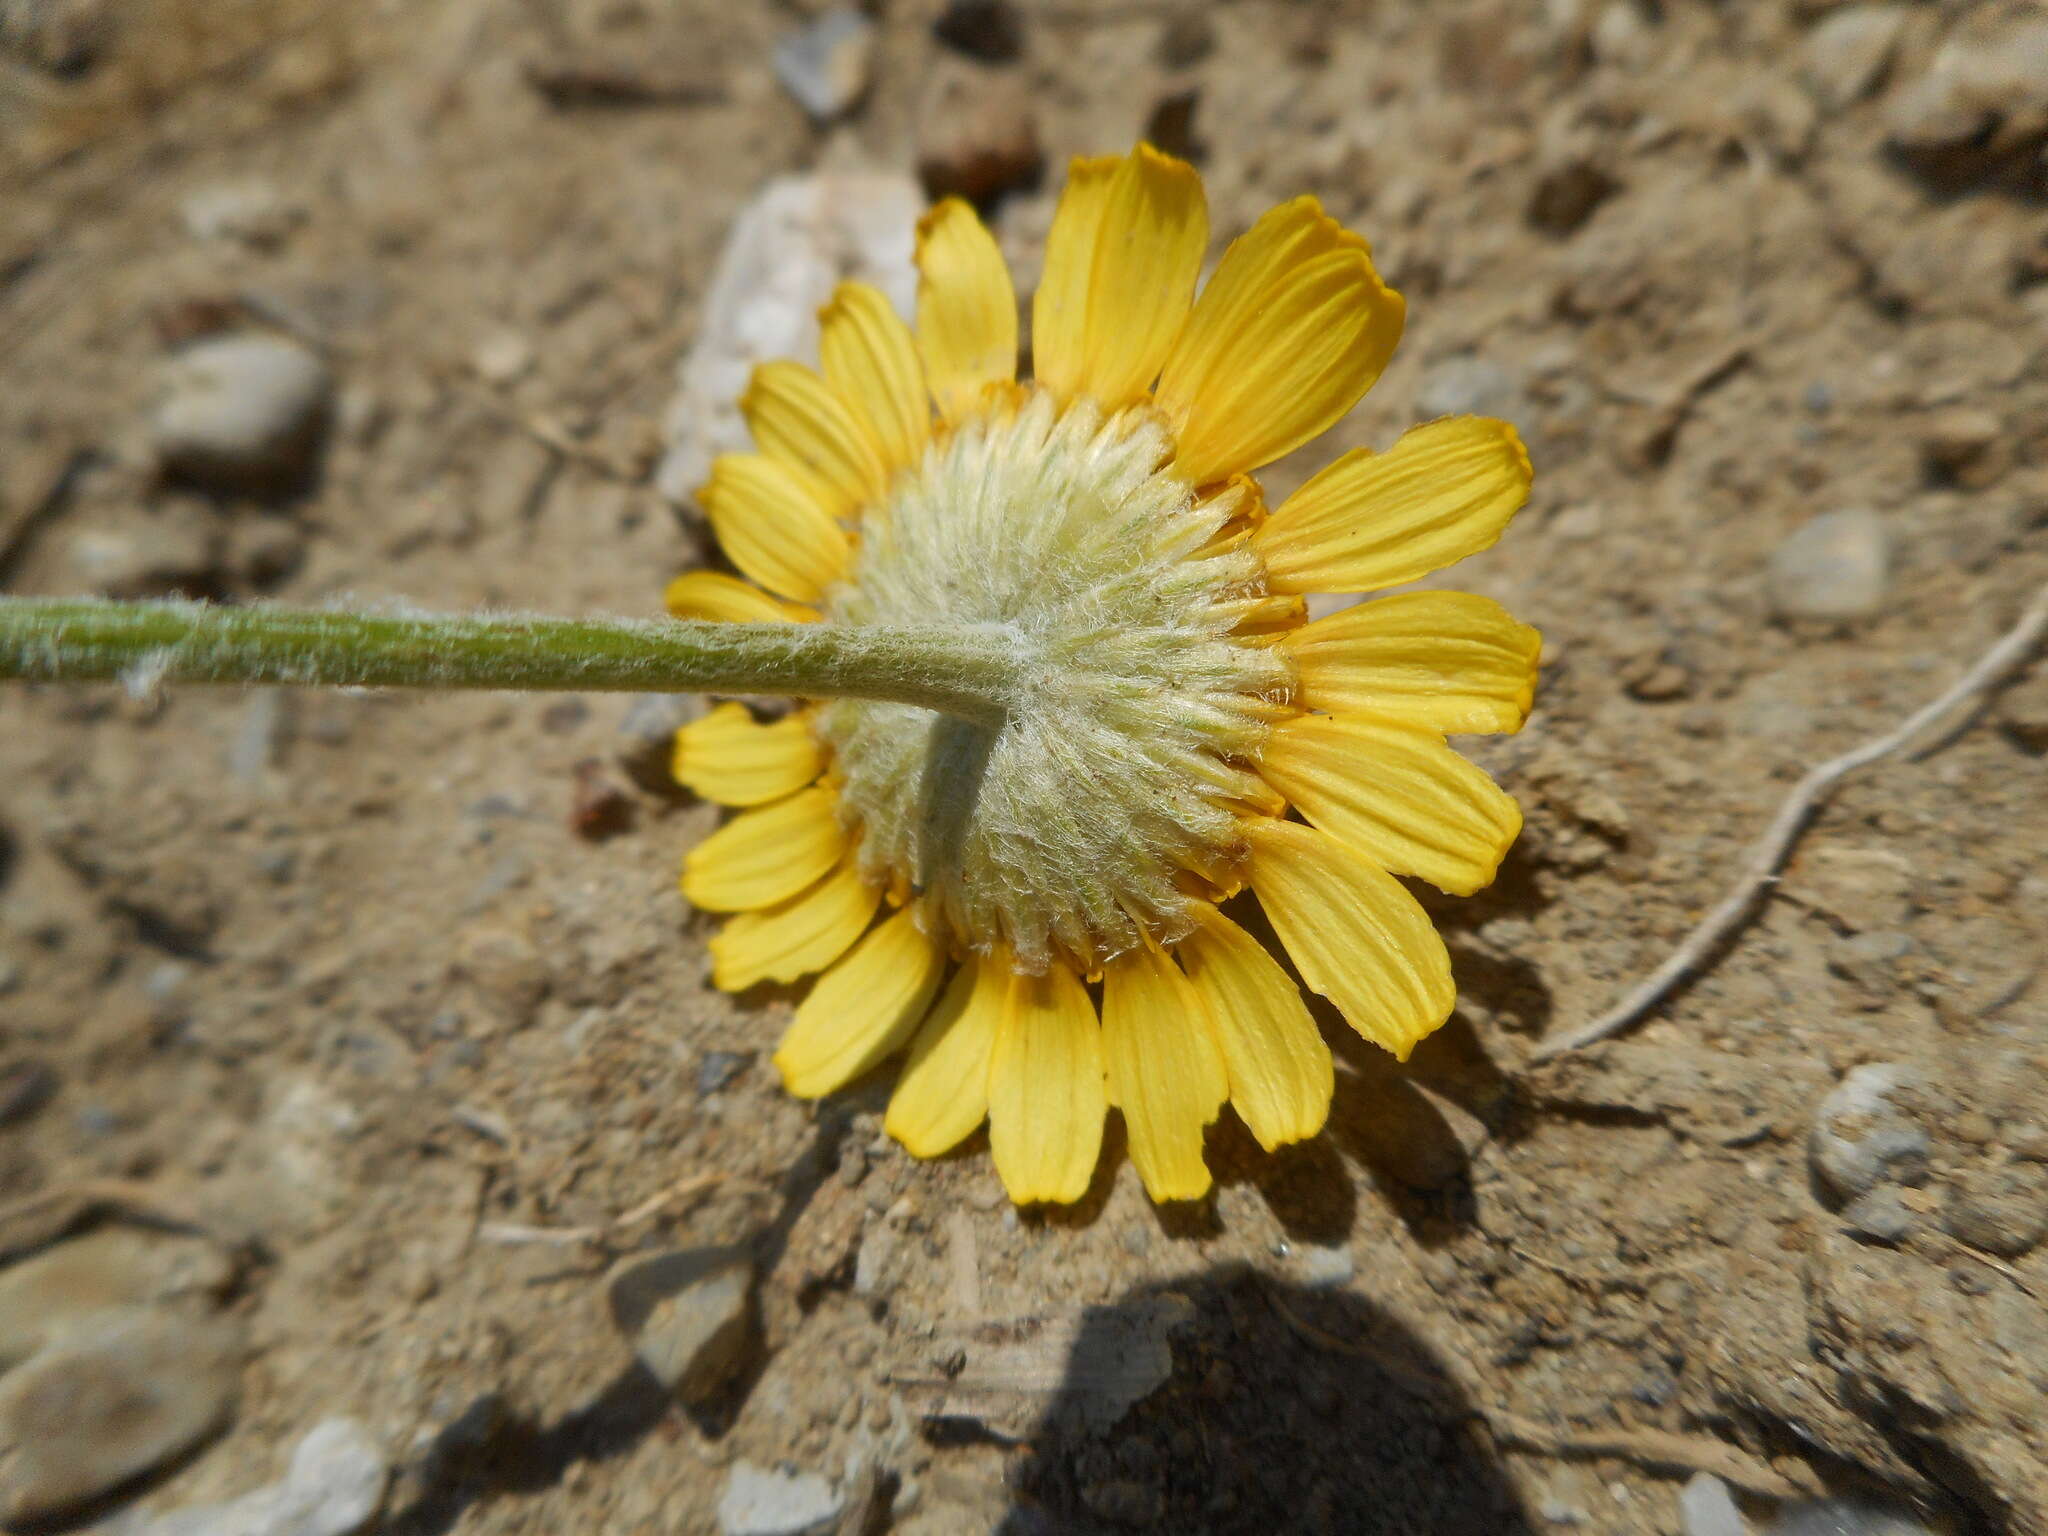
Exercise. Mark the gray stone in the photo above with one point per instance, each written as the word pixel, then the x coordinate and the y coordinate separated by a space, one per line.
pixel 1879 1215
pixel 1466 385
pixel 1862 1137
pixel 689 1313
pixel 115 1394
pixel 332 1488
pixel 760 1502
pixel 1326 1269
pixel 1846 56
pixel 50 1292
pixel 241 412
pixel 827 66
pixel 1707 1508
pixel 1999 1210
pixel 1836 567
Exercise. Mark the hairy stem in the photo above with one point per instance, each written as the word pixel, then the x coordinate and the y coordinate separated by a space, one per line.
pixel 964 670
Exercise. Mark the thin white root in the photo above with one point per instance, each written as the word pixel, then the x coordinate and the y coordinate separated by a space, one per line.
pixel 1713 931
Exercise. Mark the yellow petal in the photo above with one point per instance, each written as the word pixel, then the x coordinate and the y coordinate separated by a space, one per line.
pixel 966 308
pixel 1281 1077
pixel 726 599
pixel 1046 1097
pixel 1371 520
pixel 795 937
pixel 796 419
pixel 1446 661
pixel 1165 1071
pixel 1059 310
pixel 1396 793
pixel 1291 330
pixel 731 758
pixel 863 1009
pixel 773 527
pixel 871 364
pixel 1120 269
pixel 766 855
pixel 1353 932
pixel 943 1092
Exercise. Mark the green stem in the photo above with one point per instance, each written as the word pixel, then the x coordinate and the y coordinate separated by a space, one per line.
pixel 963 670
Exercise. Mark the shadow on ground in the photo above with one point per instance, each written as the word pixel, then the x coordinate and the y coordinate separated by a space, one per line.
pixel 1287 1409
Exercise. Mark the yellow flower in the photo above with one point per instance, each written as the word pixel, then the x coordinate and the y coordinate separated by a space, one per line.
pixel 1050 942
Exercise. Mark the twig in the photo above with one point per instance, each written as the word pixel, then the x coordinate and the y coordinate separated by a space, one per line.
pixel 510 1233
pixel 1660 1450
pixel 1812 792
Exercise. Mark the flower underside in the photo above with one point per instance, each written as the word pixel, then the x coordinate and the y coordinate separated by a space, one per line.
pixel 1023 895
pixel 1108 800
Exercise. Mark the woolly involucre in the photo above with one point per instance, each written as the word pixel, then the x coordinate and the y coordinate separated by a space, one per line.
pixel 1109 798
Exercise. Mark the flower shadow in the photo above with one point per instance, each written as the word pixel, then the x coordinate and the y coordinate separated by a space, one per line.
pixel 1261 1406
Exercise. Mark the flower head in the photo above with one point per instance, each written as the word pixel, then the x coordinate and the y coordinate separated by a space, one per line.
pixel 1048 880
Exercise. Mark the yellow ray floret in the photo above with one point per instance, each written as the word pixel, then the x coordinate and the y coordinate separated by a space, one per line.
pixel 796 936
pixel 942 1096
pixel 1397 794
pixel 862 1010
pixel 1165 1071
pixel 1353 932
pixel 1045 1088
pixel 1445 661
pixel 730 758
pixel 1372 520
pixel 966 309
pixel 765 855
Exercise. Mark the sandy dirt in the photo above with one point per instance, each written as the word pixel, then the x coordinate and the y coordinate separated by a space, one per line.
pixel 346 984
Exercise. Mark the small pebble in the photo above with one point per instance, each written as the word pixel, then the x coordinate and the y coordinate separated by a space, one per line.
pixel 503 357
pixel 1862 1138
pixel 1879 1215
pixel 761 1502
pixel 254 212
pixel 827 65
pixel 1964 446
pixel 689 1313
pixel 647 738
pixel 241 412
pixel 1979 105
pixel 1835 568
pixel 2000 1210
pixel 717 1070
pixel 2023 709
pixel 119 1392
pixel 1567 195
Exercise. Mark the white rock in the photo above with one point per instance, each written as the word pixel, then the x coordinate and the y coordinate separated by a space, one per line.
pixel 828 64
pixel 1862 1138
pixel 503 357
pixel 758 1502
pixel 787 250
pixel 1836 567
pixel 240 411
pixel 1707 1508
pixel 1466 385
pixel 333 1487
